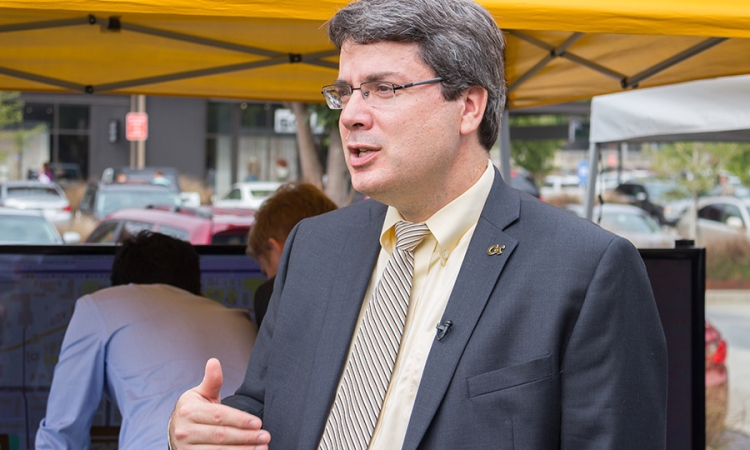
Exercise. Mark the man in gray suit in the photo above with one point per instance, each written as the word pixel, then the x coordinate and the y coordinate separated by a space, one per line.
pixel 547 331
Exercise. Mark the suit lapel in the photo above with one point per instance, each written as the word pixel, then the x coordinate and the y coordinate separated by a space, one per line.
pixel 475 283
pixel 358 257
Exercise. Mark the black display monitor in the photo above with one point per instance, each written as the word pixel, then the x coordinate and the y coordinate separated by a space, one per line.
pixel 38 289
pixel 678 278
pixel 40 284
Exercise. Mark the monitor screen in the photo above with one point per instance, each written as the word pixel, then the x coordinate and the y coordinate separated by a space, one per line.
pixel 38 289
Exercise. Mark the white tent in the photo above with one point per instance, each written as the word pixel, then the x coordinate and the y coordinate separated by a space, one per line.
pixel 706 110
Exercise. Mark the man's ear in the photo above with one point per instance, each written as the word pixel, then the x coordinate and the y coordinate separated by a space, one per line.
pixel 275 246
pixel 475 102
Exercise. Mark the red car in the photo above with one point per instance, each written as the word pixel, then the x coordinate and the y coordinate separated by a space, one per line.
pixel 198 226
pixel 716 383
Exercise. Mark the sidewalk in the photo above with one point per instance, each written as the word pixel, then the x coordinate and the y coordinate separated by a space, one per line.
pixel 727 296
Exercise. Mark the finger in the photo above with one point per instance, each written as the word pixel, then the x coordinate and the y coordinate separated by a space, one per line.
pixel 210 387
pixel 198 411
pixel 213 437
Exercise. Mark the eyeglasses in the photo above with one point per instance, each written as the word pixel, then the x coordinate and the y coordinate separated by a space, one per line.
pixel 375 93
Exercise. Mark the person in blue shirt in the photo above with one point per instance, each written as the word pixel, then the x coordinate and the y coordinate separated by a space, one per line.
pixel 160 179
pixel 141 343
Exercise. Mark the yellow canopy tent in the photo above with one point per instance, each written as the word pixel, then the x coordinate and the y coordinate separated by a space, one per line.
pixel 278 49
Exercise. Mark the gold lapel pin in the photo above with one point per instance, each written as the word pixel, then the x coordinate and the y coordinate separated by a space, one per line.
pixel 495 250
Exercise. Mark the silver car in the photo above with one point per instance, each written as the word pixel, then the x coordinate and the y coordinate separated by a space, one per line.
pixel 49 198
pixel 19 226
pixel 718 218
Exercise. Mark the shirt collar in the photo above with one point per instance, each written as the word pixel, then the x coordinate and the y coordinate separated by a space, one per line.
pixel 452 221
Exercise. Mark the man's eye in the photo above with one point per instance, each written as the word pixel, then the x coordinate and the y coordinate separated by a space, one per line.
pixel 343 91
pixel 383 88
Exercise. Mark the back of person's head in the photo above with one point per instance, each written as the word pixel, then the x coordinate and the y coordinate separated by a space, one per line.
pixel 458 39
pixel 277 215
pixel 155 258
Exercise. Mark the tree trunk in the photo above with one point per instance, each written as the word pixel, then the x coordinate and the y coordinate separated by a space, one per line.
pixel 337 181
pixel 312 171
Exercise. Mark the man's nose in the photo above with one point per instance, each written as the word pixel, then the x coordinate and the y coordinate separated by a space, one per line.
pixel 356 111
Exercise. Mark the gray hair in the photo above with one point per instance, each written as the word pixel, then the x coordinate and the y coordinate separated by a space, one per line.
pixel 458 39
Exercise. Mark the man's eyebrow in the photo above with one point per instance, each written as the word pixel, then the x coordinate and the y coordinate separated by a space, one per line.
pixel 379 76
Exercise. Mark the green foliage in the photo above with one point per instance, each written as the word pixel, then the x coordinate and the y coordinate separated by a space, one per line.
pixel 697 165
pixel 689 163
pixel 735 157
pixel 538 120
pixel 11 108
pixel 326 116
pixel 536 156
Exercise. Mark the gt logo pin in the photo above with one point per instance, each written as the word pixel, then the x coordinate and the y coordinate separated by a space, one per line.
pixel 495 250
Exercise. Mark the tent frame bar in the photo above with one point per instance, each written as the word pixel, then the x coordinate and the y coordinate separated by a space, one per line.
pixel 114 24
pixel 553 52
pixel 200 40
pixel 625 81
pixel 32 26
pixel 42 79
pixel 674 60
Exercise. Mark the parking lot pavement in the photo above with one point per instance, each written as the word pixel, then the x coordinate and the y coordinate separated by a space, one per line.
pixel 733 440
pixel 727 296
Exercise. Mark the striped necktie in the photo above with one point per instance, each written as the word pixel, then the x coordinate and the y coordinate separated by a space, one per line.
pixel 367 374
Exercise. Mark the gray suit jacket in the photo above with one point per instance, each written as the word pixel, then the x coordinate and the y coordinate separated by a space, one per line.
pixel 556 343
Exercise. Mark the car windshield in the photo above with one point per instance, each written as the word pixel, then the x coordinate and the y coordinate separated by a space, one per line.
pixel 109 201
pixel 26 230
pixel 629 223
pixel 32 191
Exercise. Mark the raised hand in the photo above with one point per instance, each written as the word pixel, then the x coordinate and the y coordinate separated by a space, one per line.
pixel 199 419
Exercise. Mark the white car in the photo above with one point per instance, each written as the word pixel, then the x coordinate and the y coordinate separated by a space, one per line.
pixel 630 222
pixel 49 198
pixel 248 195
pixel 718 218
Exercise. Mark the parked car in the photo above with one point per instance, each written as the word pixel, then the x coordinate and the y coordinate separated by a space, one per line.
pixel 49 198
pixel 664 199
pixel 145 175
pixel 248 195
pixel 101 199
pixel 717 386
pixel 630 222
pixel 718 218
pixel 521 180
pixel 198 226
pixel 18 226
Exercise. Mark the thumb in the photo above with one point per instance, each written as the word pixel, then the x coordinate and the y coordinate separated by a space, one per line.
pixel 212 381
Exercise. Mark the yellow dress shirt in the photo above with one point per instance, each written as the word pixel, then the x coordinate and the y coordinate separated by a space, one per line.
pixel 437 261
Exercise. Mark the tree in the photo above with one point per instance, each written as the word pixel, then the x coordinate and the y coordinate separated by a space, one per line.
pixel 734 157
pixel 536 156
pixel 11 109
pixel 334 177
pixel 11 114
pixel 696 166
